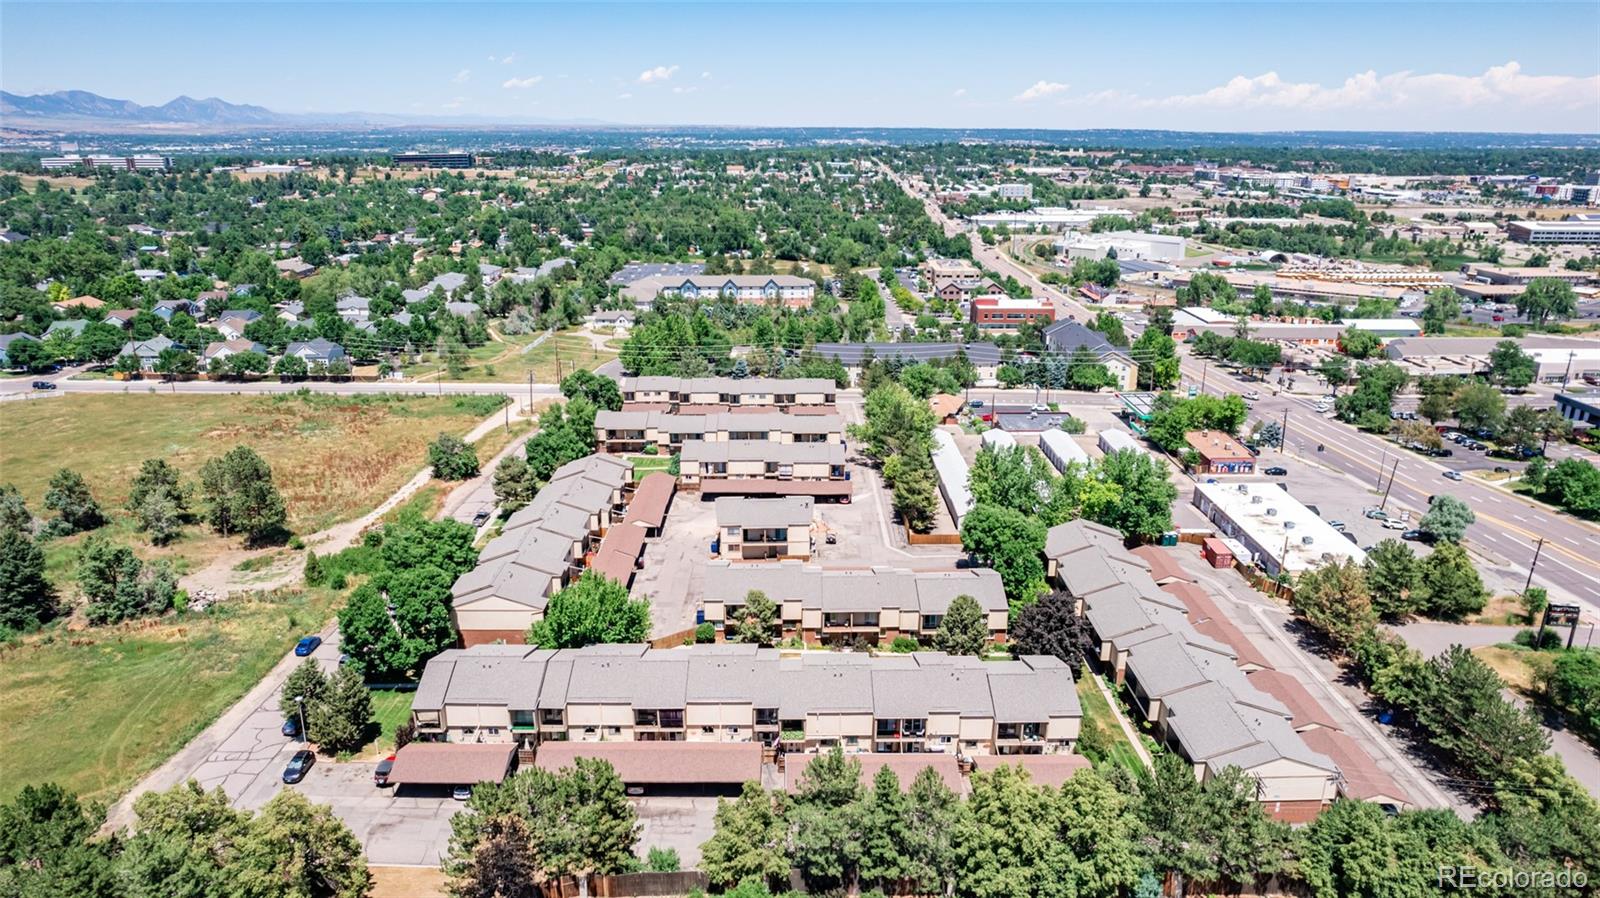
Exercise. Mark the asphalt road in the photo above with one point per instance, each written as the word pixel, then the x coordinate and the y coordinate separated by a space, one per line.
pixel 1508 527
pixel 21 387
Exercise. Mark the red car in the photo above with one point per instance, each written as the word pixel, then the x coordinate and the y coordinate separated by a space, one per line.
pixel 1498 317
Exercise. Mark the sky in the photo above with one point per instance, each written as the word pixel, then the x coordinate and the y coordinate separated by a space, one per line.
pixel 1265 66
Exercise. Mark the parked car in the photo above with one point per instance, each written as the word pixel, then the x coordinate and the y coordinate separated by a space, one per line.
pixel 43 385
pixel 1501 469
pixel 291 728
pixel 1394 525
pixel 1418 536
pixel 1337 525
pixel 461 793
pixel 1452 475
pixel 1376 514
pixel 481 518
pixel 380 774
pixel 1498 318
pixel 299 766
pixel 976 403
pixel 307 645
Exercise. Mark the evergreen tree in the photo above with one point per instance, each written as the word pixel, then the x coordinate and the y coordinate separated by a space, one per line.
pixel 514 486
pixel 964 629
pixel 26 597
pixel 241 496
pixel 69 497
pixel 749 839
pixel 339 718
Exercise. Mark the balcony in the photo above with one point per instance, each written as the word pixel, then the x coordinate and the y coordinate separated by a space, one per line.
pixel 1020 732
pixel 857 621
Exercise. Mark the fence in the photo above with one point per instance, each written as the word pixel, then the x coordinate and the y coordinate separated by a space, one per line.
pixel 629 884
pixel 673 640
pixel 932 539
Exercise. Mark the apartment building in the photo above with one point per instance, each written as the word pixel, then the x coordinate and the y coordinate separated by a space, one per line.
pixel 435 160
pixel 1554 231
pixel 752 392
pixel 985 357
pixel 748 289
pixel 1067 336
pixel 764 529
pixel 997 314
pixel 939 272
pixel 924 702
pixel 113 163
pixel 839 605
pixel 541 550
pixel 1192 685
pixel 762 467
pixel 632 431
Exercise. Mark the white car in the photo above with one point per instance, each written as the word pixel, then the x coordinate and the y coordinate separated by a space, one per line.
pixel 1252 396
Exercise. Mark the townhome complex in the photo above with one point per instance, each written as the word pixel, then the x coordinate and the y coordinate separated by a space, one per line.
pixel 632 431
pixel 748 289
pixel 925 702
pixel 762 467
pixel 840 604
pixel 1194 677
pixel 753 392
pixel 763 529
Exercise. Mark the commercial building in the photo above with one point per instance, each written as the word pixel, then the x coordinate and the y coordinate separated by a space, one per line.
pixel 1014 191
pixel 1280 533
pixel 1582 409
pixel 767 392
pixel 1060 449
pixel 606 697
pixel 108 163
pixel 1005 315
pixel 435 160
pixel 1556 357
pixel 749 289
pixel 1554 231
pixel 939 272
pixel 632 431
pixel 764 529
pixel 1123 245
pixel 838 605
pixel 764 468
pixel 1494 274
pixel 1191 686
pixel 541 550
pixel 1220 453
pixel 953 474
pixel 1046 218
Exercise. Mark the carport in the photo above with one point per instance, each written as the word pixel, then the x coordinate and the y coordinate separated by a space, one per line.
pixel 835 490
pixel 452 764
pixel 675 768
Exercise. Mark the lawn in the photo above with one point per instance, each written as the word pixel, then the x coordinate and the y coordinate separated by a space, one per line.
pixel 1097 715
pixel 644 464
pixel 390 708
pixel 332 457
pixel 559 355
pixel 95 710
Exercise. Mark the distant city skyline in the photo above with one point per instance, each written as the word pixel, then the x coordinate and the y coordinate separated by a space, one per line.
pixel 1530 67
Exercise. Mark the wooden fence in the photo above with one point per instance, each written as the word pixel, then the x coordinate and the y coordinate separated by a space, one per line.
pixel 932 539
pixel 623 885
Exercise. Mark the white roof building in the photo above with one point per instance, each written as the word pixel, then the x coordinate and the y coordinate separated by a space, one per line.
pixel 953 473
pixel 1280 532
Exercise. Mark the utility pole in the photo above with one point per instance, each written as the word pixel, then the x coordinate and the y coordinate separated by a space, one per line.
pixel 1381 462
pixel 530 391
pixel 1283 436
pixel 1536 550
pixel 1385 502
pixel 1204 368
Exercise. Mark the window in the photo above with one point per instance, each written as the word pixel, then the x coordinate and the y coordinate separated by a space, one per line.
pixel 766 717
pixel 589 731
pixel 522 720
pixel 672 719
pixel 708 731
pixel 644 718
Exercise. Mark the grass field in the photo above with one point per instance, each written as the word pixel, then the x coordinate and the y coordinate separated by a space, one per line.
pixel 391 708
pixel 332 457
pixel 497 362
pixel 644 464
pixel 97 709
pixel 1097 715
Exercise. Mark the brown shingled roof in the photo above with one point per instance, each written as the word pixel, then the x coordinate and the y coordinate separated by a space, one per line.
pixel 757 486
pixel 451 763
pixel 1308 712
pixel 905 767
pixel 1044 770
pixel 662 763
pixel 1243 648
pixel 651 498
pixel 1360 777
pixel 1195 598
pixel 1163 566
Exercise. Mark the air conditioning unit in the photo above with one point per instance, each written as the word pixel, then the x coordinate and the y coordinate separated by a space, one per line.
pixel 1307 540
pixel 1255 500
pixel 1272 512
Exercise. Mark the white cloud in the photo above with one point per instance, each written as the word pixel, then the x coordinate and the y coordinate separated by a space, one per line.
pixel 462 76
pixel 521 83
pixel 455 103
pixel 624 96
pixel 508 59
pixel 959 92
pixel 659 73
pixel 1039 90
pixel 1506 84
pixel 684 90
pixel 705 75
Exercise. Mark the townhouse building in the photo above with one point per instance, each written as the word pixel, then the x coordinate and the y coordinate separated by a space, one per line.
pixel 764 468
pixel 747 289
pixel 764 529
pixel 632 431
pixel 923 702
pixel 746 392
pixel 839 605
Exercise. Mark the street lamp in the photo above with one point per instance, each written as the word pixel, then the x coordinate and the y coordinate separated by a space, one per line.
pixel 301 701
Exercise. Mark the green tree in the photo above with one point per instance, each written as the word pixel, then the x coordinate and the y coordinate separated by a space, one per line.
pixel 14 513
pixel 1510 367
pixel 1392 574
pixel 1348 851
pixel 597 388
pixel 294 847
pixel 69 497
pixel 964 629
pixel 241 497
pixel 1460 706
pixel 1447 519
pixel 1010 542
pixel 1359 344
pixel 452 458
pixel 749 839
pixel 1480 406
pixel 1441 307
pixel 500 864
pixel 305 687
pixel 593 609
pixel 1050 626
pixel 1574 483
pixel 933 815
pixel 182 844
pixel 915 489
pixel 1572 684
pixel 158 500
pixel 885 842
pixel 48 849
pixel 1158 359
pixel 1004 835
pixel 514 486
pixel 825 834
pixel 1142 508
pixel 1091 851
pixel 757 620
pixel 26 597
pixel 1448 584
pixel 1334 599
pixel 339 719
pixel 1335 369
pixel 1547 298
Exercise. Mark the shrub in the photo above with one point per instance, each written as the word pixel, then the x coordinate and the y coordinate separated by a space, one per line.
pixel 705 633
pixel 338 581
pixel 662 860
pixel 1533 640
pixel 904 644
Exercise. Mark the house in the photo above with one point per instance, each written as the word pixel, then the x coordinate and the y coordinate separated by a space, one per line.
pixel 147 351
pixel 147 275
pixel 463 309
pixel 291 311
pixel 540 550
pixel 1220 453
pixel 732 392
pixel 353 308
pixel 696 707
pixel 946 407
pixel 78 302
pixel 72 328
pixel 844 605
pixel 222 349
pixel 449 282
pixel 764 529
pixel 621 319
pixel 315 352
pixel 1067 336
pixel 6 341
pixel 296 268
pixel 748 289
pixel 122 318
pixel 232 327
pixel 632 431
pixel 166 308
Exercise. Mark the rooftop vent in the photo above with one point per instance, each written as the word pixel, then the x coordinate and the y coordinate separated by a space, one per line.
pixel 1307 540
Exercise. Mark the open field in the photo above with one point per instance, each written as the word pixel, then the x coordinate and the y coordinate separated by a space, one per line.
pixel 407 882
pixel 332 457
pixel 95 710
pixel 511 360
